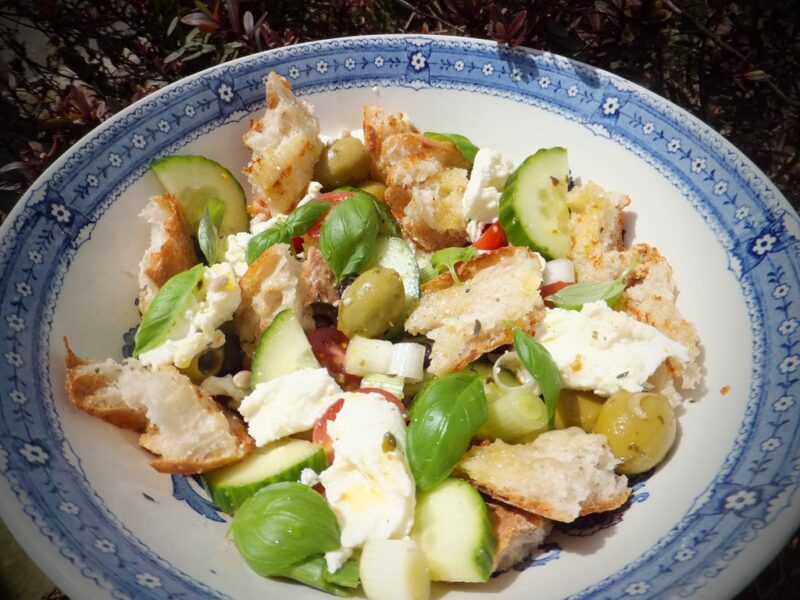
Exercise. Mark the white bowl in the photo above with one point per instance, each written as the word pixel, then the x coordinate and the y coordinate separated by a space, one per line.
pixel 79 494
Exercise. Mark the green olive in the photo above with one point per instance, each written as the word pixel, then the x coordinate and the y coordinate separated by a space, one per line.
pixel 372 304
pixel 640 429
pixel 343 162
pixel 376 188
pixel 207 363
pixel 578 408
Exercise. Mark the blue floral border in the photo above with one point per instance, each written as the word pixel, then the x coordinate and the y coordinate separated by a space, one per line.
pixel 752 222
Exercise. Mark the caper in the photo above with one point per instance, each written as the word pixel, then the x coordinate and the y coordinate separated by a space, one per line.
pixel 578 408
pixel 343 162
pixel 640 429
pixel 389 442
pixel 372 304
pixel 376 188
pixel 207 363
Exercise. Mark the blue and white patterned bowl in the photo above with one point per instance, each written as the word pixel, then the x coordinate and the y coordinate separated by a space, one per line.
pixel 78 493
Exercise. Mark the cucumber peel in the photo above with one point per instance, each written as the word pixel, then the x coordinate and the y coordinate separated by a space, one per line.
pixel 283 348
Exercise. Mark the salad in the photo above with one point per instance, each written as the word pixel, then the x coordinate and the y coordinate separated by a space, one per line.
pixel 403 359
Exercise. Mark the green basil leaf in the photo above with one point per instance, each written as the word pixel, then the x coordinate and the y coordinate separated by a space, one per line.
pixel 314 572
pixel 208 229
pixel 283 524
pixel 444 416
pixel 446 258
pixel 465 146
pixel 540 364
pixel 576 295
pixel 389 225
pixel 277 234
pixel 165 309
pixel 349 233
pixel 304 217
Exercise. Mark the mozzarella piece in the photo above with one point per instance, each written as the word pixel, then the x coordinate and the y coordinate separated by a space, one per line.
pixel 604 350
pixel 198 328
pixel 288 404
pixel 369 486
pixel 481 200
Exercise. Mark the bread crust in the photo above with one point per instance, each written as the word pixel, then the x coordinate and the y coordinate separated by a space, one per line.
pixel 518 534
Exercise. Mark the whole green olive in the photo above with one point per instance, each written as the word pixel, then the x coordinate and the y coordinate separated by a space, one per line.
pixel 376 188
pixel 640 429
pixel 343 162
pixel 578 408
pixel 373 304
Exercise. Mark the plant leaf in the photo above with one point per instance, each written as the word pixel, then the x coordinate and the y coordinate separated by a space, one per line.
pixel 540 364
pixel 446 258
pixel 465 146
pixel 208 228
pixel 444 417
pixel 576 295
pixel 349 233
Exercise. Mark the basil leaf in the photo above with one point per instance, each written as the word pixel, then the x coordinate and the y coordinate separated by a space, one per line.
pixel 540 364
pixel 389 225
pixel 277 234
pixel 304 217
pixel 349 233
pixel 444 417
pixel 576 295
pixel 208 229
pixel 314 572
pixel 283 524
pixel 465 146
pixel 165 309
pixel 446 258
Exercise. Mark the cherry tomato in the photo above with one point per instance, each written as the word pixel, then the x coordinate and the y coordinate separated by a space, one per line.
pixel 492 238
pixel 550 289
pixel 329 345
pixel 333 198
pixel 389 396
pixel 319 435
pixel 297 243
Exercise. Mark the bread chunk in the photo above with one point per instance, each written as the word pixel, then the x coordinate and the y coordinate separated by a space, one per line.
pixel 285 144
pixel 377 126
pixel 171 249
pixel 599 254
pixel 271 284
pixel 320 282
pixel 497 291
pixel 179 422
pixel 518 534
pixel 561 475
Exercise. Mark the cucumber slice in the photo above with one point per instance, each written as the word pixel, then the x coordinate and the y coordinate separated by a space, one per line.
pixel 454 529
pixel 282 348
pixel 394 570
pixel 282 460
pixel 195 179
pixel 395 253
pixel 533 207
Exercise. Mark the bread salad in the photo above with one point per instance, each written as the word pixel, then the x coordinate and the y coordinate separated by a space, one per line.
pixel 403 358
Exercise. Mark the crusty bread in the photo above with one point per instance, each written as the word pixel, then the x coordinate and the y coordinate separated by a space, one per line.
pixel 599 254
pixel 377 126
pixel 518 534
pixel 561 475
pixel 271 284
pixel 320 282
pixel 171 250
pixel 285 144
pixel 179 422
pixel 498 291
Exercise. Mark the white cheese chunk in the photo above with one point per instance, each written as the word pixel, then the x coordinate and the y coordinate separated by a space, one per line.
pixel 481 200
pixel 604 350
pixel 198 328
pixel 288 404
pixel 369 486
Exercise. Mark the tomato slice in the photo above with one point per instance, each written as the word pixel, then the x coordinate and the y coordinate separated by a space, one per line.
pixel 389 396
pixel 297 244
pixel 329 345
pixel 333 198
pixel 492 238
pixel 550 289
pixel 319 435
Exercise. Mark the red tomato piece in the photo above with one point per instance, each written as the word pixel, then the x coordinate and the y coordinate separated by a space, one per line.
pixel 389 396
pixel 297 243
pixel 492 238
pixel 319 435
pixel 329 345
pixel 550 289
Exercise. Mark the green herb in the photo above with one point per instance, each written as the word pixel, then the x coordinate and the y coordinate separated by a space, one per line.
pixel 576 295
pixel 208 229
pixel 349 234
pixel 465 146
pixel 447 258
pixel 165 309
pixel 281 526
pixel 540 364
pixel 299 221
pixel 389 225
pixel 314 572
pixel 444 417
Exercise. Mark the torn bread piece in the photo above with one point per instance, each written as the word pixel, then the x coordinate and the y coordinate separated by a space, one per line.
pixel 497 291
pixel 599 254
pixel 183 425
pixel 285 144
pixel 171 250
pixel 272 283
pixel 518 533
pixel 561 475
pixel 377 126
pixel 320 282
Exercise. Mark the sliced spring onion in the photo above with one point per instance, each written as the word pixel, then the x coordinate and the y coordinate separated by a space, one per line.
pixel 408 361
pixel 393 385
pixel 513 417
pixel 365 356
pixel 560 269
pixel 510 363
